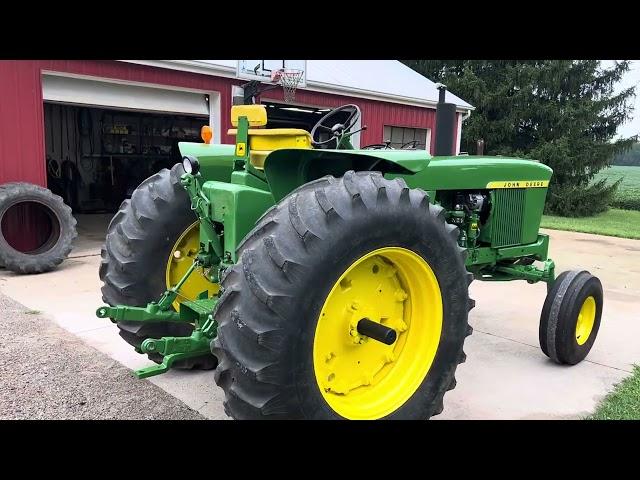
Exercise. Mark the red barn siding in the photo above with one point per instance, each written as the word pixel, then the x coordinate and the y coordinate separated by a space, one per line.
pixel 21 123
pixel 22 120
pixel 154 75
pixel 22 144
pixel 22 149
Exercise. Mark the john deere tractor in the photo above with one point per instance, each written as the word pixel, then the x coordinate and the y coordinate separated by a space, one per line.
pixel 327 282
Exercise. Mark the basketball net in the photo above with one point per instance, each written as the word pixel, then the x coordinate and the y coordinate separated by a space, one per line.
pixel 289 79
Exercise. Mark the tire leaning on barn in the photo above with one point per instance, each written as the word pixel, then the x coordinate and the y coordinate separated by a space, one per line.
pixel 54 247
pixel 139 258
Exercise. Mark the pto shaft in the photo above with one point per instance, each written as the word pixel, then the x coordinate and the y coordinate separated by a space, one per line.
pixel 377 331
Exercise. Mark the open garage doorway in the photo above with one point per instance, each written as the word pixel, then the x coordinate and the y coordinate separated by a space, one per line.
pixel 96 157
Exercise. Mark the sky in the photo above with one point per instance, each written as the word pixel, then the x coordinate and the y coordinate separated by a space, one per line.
pixel 632 77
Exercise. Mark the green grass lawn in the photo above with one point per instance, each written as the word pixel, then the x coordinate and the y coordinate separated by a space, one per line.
pixel 623 403
pixel 615 223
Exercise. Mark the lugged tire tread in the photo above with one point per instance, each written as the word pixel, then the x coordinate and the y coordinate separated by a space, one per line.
pixel 135 235
pixel 250 393
pixel 46 261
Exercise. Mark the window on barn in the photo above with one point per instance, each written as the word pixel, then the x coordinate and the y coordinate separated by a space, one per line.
pixel 405 137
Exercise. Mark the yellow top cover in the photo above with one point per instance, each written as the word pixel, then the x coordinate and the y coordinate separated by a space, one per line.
pixel 256 114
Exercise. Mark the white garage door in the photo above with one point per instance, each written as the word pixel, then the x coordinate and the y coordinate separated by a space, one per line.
pixel 106 94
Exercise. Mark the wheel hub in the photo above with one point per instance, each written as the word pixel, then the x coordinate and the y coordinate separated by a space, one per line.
pixel 180 259
pixel 586 320
pixel 396 291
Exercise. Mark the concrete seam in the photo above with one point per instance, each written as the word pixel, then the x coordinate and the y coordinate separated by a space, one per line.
pixel 475 330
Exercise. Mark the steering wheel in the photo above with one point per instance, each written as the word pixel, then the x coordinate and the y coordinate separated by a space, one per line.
pixel 409 145
pixel 379 146
pixel 336 129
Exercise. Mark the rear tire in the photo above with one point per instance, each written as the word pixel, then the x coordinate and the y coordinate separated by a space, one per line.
pixel 139 241
pixel 292 262
pixel 570 317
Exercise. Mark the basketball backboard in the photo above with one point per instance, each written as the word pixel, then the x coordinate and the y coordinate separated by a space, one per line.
pixel 261 70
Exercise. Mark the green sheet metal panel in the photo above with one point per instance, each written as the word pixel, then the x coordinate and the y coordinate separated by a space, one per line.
pixel 471 172
pixel 216 161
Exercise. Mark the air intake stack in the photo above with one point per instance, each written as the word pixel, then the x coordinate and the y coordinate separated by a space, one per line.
pixel 445 124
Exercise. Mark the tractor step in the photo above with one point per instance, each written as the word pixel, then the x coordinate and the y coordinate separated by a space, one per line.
pixel 200 309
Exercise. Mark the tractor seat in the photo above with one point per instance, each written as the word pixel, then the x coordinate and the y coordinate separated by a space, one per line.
pixel 263 141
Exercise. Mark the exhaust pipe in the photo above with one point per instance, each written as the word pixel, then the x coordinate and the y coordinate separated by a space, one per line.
pixel 445 124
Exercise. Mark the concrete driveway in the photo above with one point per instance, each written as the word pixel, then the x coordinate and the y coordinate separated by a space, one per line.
pixel 506 376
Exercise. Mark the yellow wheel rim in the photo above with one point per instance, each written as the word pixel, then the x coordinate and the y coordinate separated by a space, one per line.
pixel 359 377
pixel 180 259
pixel 586 319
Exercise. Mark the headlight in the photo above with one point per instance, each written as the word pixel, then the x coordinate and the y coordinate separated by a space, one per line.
pixel 190 165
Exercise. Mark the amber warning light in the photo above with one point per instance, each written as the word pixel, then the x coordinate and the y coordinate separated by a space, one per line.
pixel 206 133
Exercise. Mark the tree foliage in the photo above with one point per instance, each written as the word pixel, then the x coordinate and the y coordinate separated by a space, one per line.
pixel 628 158
pixel 562 112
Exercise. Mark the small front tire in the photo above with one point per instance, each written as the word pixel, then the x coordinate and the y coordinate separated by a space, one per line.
pixel 570 317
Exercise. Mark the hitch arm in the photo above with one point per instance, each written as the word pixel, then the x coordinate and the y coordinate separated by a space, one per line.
pixel 150 313
pixel 153 312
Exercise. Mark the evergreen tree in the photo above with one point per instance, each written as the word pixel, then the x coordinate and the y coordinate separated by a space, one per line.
pixel 629 158
pixel 561 112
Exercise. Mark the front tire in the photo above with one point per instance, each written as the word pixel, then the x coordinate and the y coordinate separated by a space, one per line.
pixel 570 317
pixel 283 305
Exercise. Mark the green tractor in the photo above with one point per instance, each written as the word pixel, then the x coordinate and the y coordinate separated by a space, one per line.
pixel 327 282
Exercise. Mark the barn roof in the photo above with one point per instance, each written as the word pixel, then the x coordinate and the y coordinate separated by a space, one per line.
pixel 385 80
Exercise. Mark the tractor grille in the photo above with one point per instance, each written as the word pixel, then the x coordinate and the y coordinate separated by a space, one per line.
pixel 506 226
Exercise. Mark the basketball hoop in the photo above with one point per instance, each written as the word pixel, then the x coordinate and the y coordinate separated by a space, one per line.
pixel 289 79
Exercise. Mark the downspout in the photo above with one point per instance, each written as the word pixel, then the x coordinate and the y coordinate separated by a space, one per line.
pixel 462 118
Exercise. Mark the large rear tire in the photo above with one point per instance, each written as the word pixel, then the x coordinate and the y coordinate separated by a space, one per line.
pixel 333 252
pixel 138 249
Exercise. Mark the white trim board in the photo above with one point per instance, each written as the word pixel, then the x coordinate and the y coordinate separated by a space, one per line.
pixel 95 91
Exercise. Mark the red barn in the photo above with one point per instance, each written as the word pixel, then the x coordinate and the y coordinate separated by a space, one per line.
pixel 91 130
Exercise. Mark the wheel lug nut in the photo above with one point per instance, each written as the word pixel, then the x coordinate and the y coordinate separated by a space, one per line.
pixel 401 295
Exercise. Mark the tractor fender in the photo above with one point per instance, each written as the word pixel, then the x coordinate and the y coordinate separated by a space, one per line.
pixel 287 169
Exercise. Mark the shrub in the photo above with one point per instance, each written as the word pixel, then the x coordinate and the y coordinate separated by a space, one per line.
pixel 626 201
pixel 580 201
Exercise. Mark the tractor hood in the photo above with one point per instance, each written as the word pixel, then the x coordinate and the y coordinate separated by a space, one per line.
pixel 287 169
pixel 475 172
